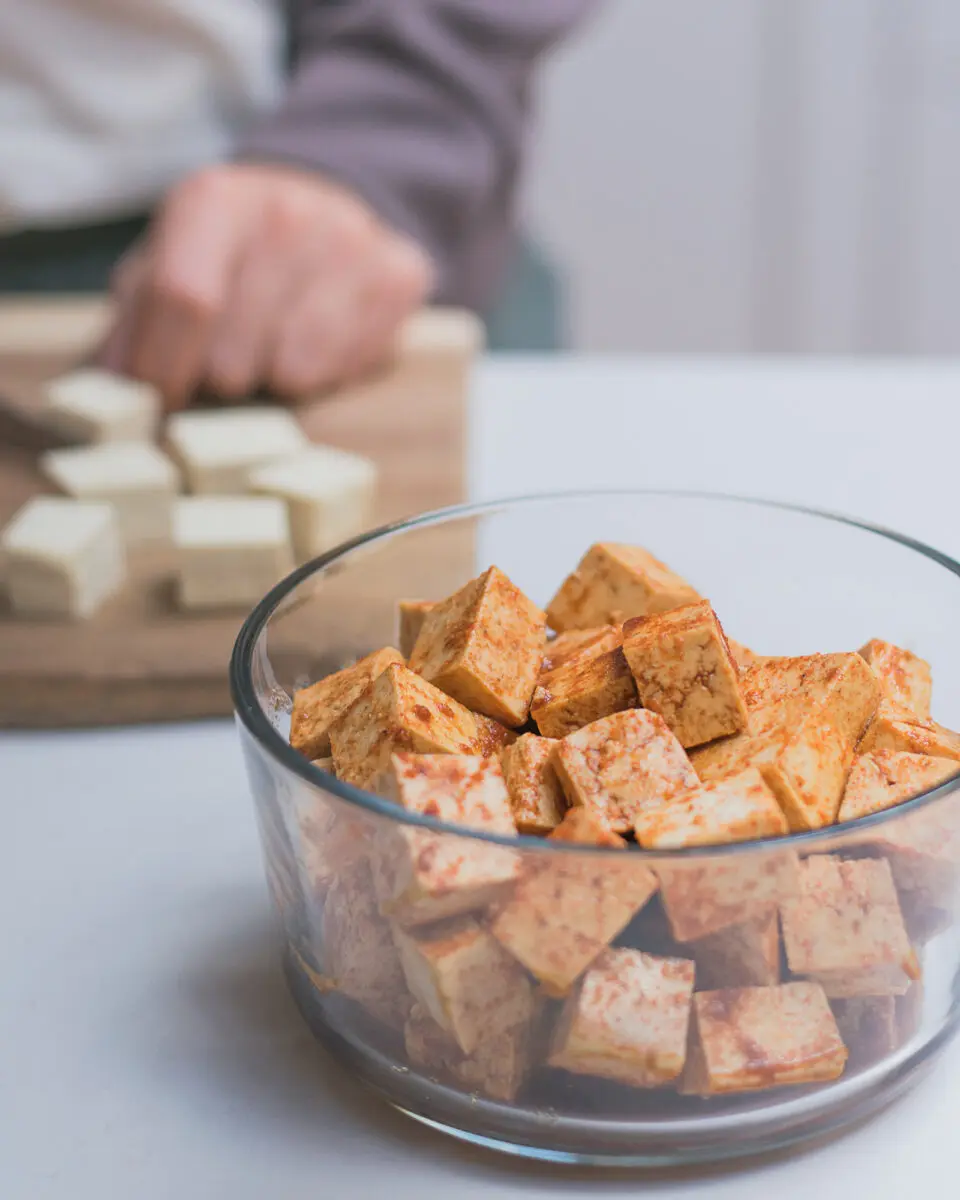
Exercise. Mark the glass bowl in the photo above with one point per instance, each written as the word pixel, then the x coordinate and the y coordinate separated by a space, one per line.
pixel 783 580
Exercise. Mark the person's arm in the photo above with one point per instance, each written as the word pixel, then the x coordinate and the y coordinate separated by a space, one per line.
pixel 420 107
pixel 386 178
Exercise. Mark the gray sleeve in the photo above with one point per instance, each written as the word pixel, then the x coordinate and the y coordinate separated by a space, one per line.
pixel 422 107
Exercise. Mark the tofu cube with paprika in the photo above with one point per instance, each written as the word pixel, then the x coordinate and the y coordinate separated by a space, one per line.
pixel 806 717
pixel 730 810
pixel 565 645
pixel 628 1020
pixel 886 778
pixel 748 1039
pixel 777 692
pixel 613 582
pixel 683 669
pixel 411 615
pixel 922 846
pixel 399 711
pixel 360 958
pixel 424 876
pixel 709 894
pixel 464 979
pixel 484 646
pixel 904 677
pixel 567 908
pixel 845 929
pixel 317 707
pixel 742 655
pixel 591 684
pixel 810 771
pixel 743 955
pixel 874 1027
pixel 535 792
pixel 623 764
pixel 896 727
pixel 497 1067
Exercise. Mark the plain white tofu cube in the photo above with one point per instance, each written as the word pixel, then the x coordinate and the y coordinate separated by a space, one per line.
pixel 136 478
pixel 329 496
pixel 61 558
pixel 98 406
pixel 217 449
pixel 231 550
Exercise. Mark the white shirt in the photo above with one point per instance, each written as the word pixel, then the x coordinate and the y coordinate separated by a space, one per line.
pixel 105 103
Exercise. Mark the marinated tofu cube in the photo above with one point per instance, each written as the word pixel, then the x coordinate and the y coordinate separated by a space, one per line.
pixel 684 671
pixel 483 646
pixel 744 955
pixel 622 765
pixel 731 810
pixel 712 893
pixel 317 707
pixel 806 716
pixel 464 979
pixel 425 876
pixel 874 1027
pixel 809 774
pixel 591 684
pixel 567 908
pixel 742 655
pixel 613 582
pixel 628 1020
pixel 898 728
pixel 565 645
pixel 778 691
pixel 399 711
pixel 733 755
pixel 497 1067
pixel 330 839
pixel 411 615
pixel 461 789
pixel 886 778
pixel 904 677
pixel 922 846
pixel 360 957
pixel 845 930
pixel 746 1039
pixel 535 792
pixel 99 406
pixel 328 492
pixel 61 558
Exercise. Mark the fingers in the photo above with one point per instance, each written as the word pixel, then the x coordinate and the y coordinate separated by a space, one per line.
pixel 258 276
pixel 191 256
pixel 339 327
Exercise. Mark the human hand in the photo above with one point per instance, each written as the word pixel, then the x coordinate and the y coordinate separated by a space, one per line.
pixel 255 275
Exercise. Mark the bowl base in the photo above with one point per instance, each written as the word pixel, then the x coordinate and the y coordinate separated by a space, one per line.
pixel 758 1124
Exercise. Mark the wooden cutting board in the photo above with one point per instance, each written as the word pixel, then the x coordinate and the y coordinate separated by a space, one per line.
pixel 139 658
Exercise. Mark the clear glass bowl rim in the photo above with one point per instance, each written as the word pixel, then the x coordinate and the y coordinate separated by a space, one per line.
pixel 257 724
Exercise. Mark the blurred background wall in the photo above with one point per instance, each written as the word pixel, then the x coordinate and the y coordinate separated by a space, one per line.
pixel 756 175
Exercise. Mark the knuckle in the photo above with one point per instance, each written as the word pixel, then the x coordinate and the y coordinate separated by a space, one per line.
pixel 409 271
pixel 183 297
pixel 286 215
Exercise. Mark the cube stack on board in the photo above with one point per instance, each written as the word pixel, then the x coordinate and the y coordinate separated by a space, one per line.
pixel 264 498
pixel 632 732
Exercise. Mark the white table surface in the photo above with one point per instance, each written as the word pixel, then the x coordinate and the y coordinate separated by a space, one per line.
pixel 147 1046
